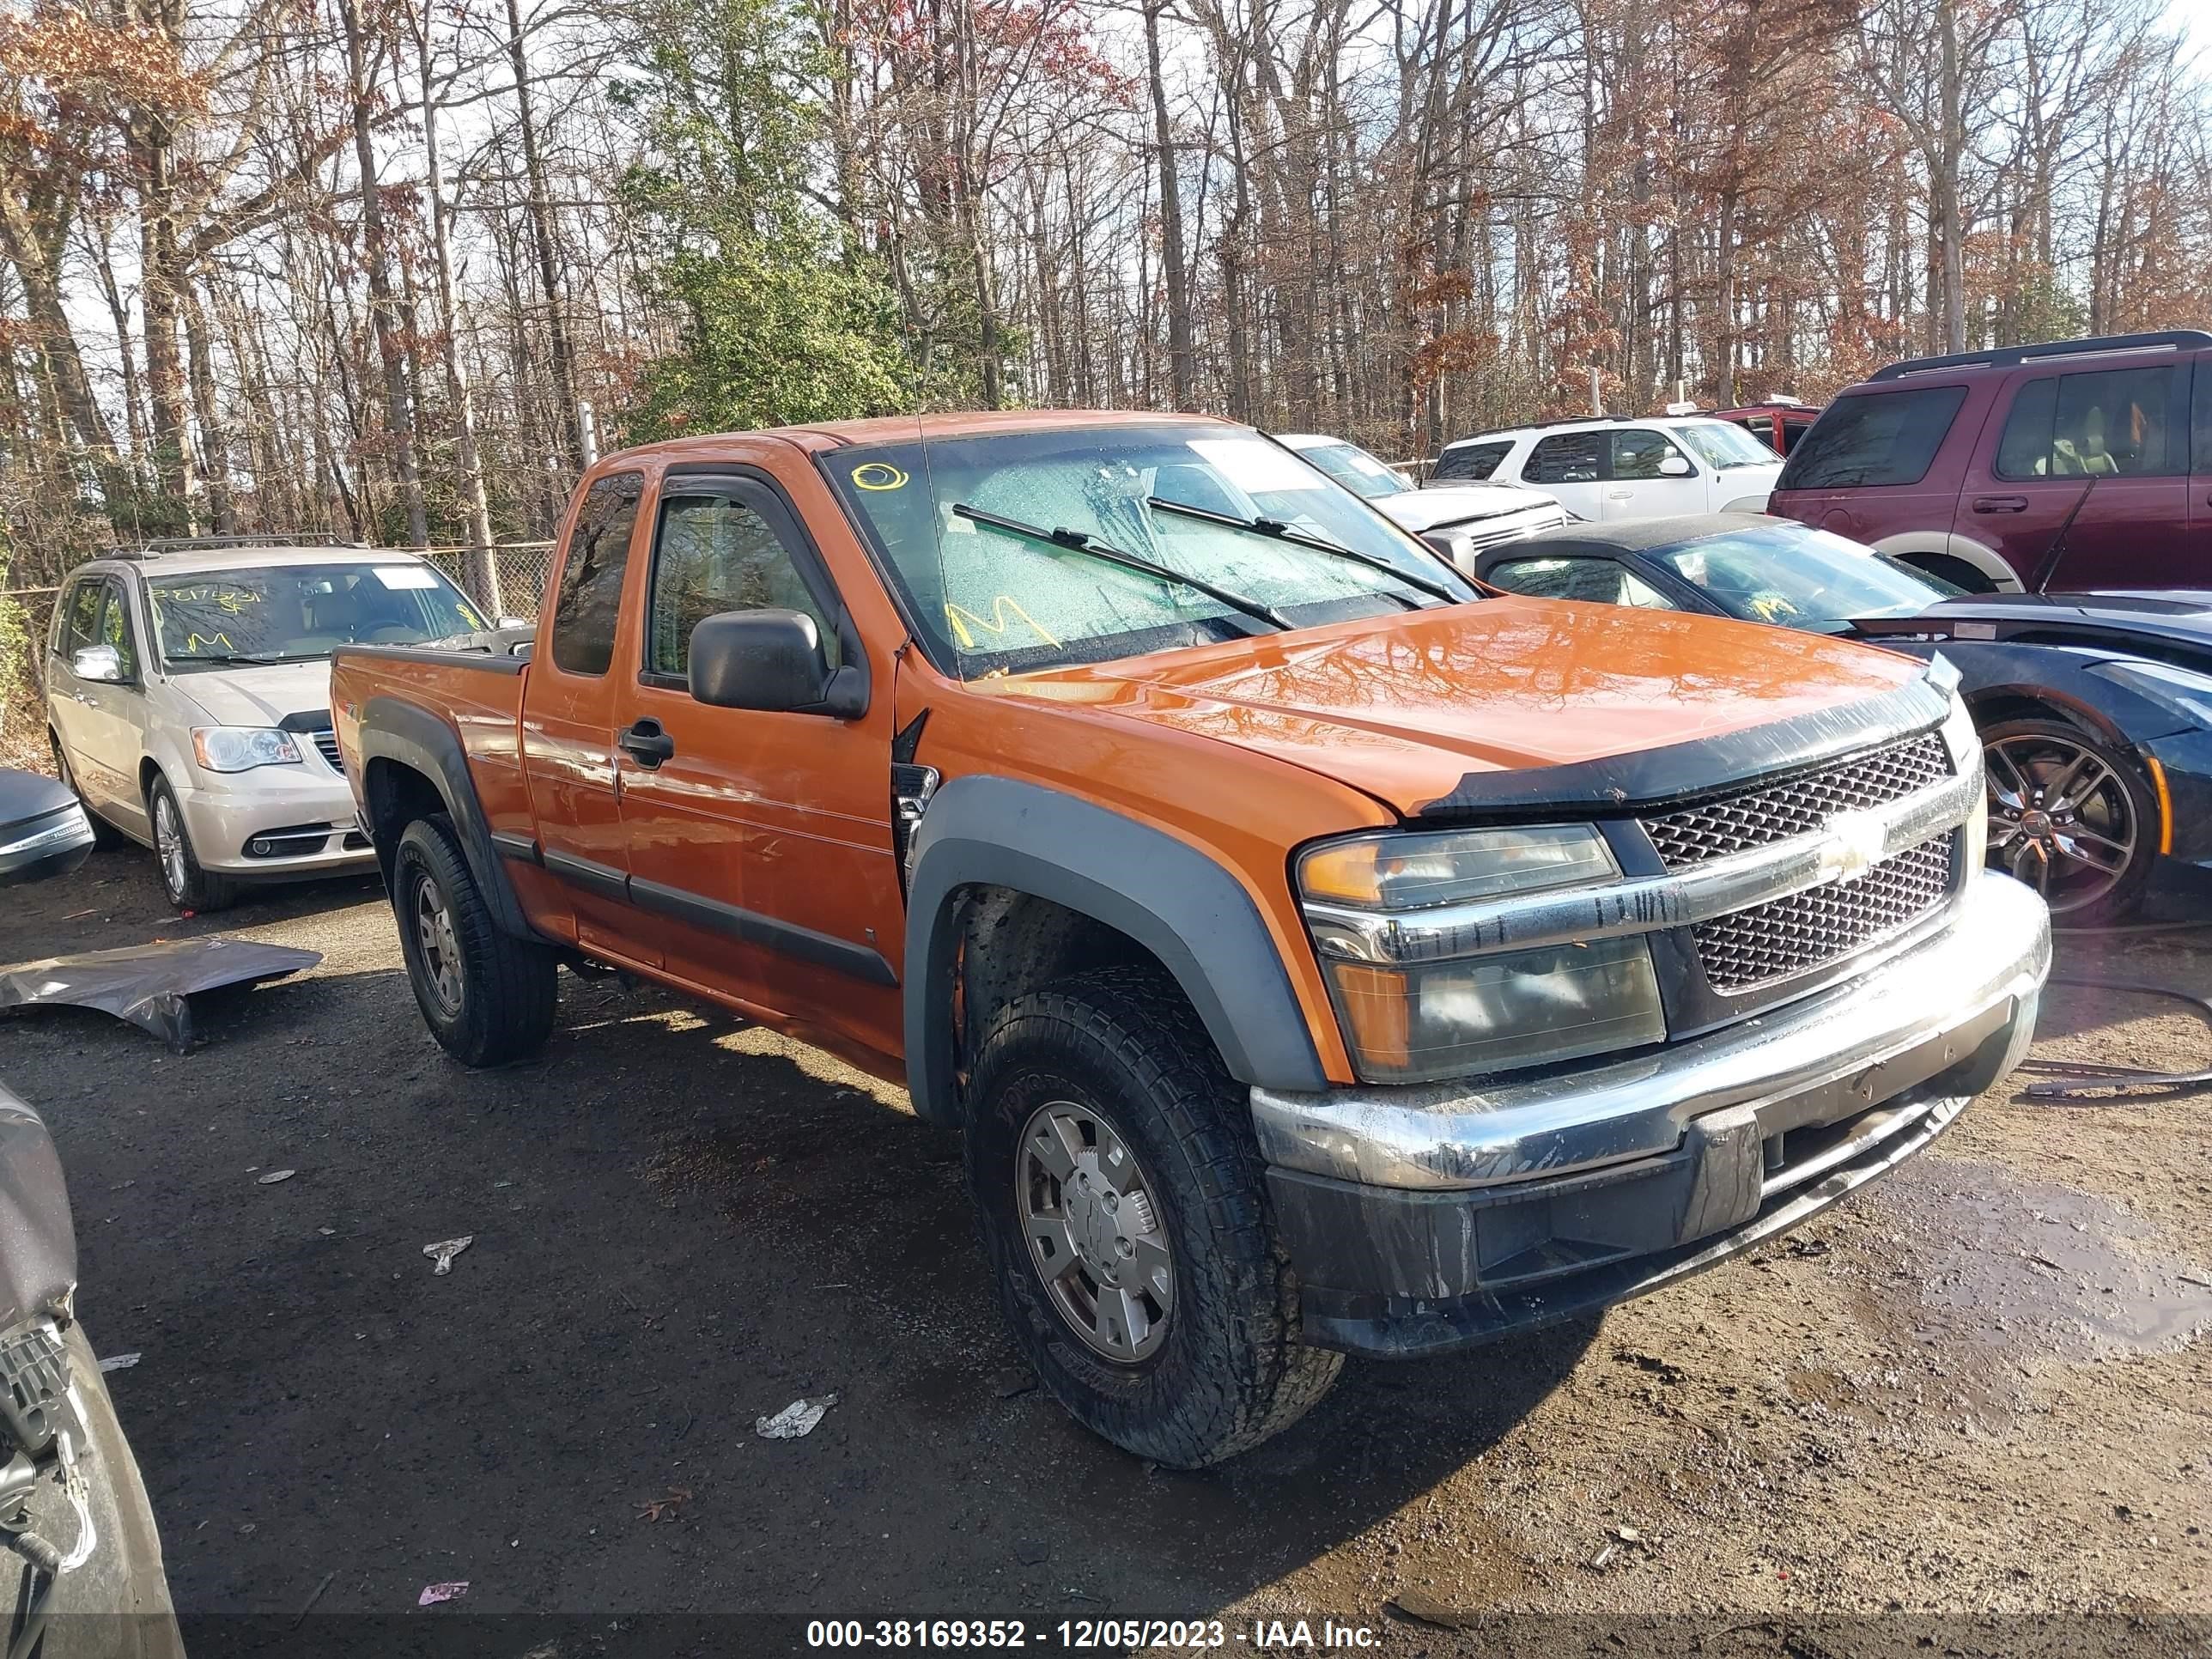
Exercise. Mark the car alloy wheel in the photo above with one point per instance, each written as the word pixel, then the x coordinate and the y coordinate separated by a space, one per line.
pixel 169 845
pixel 1094 1232
pixel 2062 819
pixel 441 947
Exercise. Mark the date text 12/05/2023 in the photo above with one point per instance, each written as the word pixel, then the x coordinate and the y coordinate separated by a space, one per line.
pixel 1082 1635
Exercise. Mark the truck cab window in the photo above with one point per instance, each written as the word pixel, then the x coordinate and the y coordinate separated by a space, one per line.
pixel 590 598
pixel 714 553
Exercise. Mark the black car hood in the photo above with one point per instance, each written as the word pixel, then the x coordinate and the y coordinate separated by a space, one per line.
pixel 2174 627
pixel 38 1241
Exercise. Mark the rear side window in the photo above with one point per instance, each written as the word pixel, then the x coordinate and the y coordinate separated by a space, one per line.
pixel 1565 457
pixel 2118 423
pixel 590 600
pixel 714 553
pixel 1875 437
pixel 1469 462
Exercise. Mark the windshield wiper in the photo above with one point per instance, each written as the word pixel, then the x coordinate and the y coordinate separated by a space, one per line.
pixel 252 659
pixel 1082 541
pixel 1276 530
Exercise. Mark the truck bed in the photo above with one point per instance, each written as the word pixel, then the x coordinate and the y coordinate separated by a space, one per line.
pixel 476 696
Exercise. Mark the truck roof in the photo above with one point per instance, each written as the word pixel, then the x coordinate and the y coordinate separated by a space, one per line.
pixel 903 428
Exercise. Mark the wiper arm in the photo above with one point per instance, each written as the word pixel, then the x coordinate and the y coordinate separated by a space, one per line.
pixel 1082 541
pixel 1276 530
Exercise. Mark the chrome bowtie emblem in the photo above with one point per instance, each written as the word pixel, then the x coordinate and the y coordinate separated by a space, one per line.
pixel 1855 844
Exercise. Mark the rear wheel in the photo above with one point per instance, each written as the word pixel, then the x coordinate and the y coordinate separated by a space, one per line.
pixel 189 887
pixel 1948 567
pixel 104 833
pixel 1123 1206
pixel 487 997
pixel 2072 816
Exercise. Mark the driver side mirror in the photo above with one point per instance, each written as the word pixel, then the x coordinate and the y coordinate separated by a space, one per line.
pixel 101 664
pixel 771 660
pixel 1675 466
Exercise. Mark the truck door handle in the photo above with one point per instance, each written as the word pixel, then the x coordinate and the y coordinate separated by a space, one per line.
pixel 646 743
pixel 2000 503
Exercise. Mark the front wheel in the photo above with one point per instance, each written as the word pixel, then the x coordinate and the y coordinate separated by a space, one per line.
pixel 1125 1213
pixel 189 887
pixel 2071 816
pixel 487 997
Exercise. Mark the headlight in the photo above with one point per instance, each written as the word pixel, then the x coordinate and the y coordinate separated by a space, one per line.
pixel 242 748
pixel 2182 692
pixel 1409 872
pixel 1442 1020
pixel 1415 1004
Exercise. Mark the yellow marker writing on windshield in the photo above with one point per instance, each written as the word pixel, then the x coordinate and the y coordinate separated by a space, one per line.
pixel 960 616
pixel 877 475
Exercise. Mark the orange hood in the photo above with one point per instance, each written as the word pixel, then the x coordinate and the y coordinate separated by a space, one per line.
pixel 1405 706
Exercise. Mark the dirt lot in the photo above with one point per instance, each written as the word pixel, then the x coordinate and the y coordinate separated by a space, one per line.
pixel 1976 1390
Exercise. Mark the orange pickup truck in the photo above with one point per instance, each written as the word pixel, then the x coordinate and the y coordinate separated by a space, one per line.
pixel 1316 953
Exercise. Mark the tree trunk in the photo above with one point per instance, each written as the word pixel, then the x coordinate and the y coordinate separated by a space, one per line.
pixel 541 237
pixel 1945 198
pixel 479 567
pixel 1181 362
pixel 383 306
pixel 214 440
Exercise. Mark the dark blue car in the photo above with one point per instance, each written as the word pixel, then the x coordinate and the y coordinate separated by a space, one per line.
pixel 2095 710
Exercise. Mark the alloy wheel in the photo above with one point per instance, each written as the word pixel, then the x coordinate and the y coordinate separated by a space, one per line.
pixel 169 844
pixel 1094 1232
pixel 2061 818
pixel 441 949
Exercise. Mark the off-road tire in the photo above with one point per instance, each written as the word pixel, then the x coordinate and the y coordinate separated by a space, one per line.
pixel 1231 1369
pixel 2124 898
pixel 104 833
pixel 509 990
pixel 190 887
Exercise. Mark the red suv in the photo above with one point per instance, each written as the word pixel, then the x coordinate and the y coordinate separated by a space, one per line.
pixel 2064 466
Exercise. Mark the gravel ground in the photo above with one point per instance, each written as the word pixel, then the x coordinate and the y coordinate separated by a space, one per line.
pixel 1976 1391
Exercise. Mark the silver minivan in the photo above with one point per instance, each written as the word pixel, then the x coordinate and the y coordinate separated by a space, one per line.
pixel 188 700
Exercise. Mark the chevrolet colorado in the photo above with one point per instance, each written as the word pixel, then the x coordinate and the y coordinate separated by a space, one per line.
pixel 1317 953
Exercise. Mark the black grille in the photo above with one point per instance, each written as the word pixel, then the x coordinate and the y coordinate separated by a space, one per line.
pixel 327 741
pixel 1798 805
pixel 1808 930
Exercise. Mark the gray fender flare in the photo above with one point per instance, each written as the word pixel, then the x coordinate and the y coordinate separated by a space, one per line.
pixel 1178 904
pixel 1950 544
pixel 413 737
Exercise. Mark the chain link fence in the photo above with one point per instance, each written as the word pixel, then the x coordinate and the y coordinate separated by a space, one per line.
pixel 513 575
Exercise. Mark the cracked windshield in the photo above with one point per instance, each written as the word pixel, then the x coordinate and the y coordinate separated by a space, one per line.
pixel 1021 551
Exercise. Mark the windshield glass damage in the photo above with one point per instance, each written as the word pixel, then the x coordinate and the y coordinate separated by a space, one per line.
pixel 1147 543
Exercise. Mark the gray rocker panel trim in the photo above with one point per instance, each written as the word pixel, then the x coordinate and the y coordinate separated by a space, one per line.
pixel 1173 899
pixel 413 737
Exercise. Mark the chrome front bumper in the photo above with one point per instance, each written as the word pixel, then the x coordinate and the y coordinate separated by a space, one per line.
pixel 1433 1216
